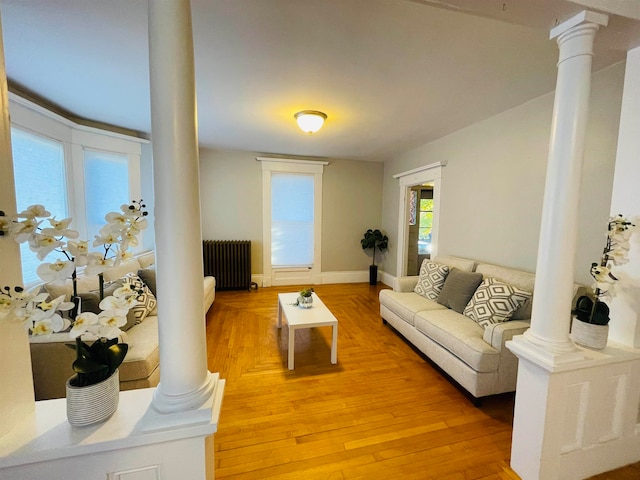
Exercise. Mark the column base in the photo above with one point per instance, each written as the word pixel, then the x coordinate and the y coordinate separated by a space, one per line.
pixel 550 356
pixel 190 409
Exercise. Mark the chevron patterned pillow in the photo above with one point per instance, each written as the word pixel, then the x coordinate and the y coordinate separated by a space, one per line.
pixel 494 302
pixel 431 280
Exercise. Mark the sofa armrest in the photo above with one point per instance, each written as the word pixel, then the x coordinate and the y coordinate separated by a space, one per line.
pixel 405 284
pixel 498 333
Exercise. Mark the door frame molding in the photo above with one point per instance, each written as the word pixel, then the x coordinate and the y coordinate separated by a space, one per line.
pixel 431 173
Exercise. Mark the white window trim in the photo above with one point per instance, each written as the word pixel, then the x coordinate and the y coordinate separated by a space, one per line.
pixel 288 275
pixel 31 117
pixel 431 173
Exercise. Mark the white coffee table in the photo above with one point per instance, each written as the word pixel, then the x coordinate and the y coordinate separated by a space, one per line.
pixel 316 316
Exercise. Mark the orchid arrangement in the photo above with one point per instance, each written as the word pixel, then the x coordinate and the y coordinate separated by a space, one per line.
pixel 32 309
pixel 615 253
pixel 46 234
pixel 120 232
pixel 114 308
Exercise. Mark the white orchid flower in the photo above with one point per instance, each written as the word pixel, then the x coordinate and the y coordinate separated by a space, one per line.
pixel 42 327
pixel 105 239
pixel 96 264
pixel 60 228
pixel 86 323
pixel 128 288
pixel 131 238
pixel 6 302
pixel 116 218
pixel 79 250
pixel 602 274
pixel 113 318
pixel 122 256
pixel 43 245
pixel 34 211
pixel 113 303
pixel 46 322
pixel 619 256
pixel 56 304
pixel 139 224
pixel 56 272
pixel 5 224
pixel 23 231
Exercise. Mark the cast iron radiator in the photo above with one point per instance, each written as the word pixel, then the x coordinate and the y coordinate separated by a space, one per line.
pixel 230 262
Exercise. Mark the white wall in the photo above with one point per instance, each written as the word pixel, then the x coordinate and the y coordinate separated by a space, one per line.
pixel 493 184
pixel 625 307
pixel 231 205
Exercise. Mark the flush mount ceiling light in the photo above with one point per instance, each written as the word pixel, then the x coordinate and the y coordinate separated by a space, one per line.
pixel 310 121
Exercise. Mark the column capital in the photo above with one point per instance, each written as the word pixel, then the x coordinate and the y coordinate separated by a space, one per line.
pixel 582 18
pixel 575 36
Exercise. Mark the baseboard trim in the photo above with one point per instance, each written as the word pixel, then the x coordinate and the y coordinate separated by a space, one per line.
pixel 355 276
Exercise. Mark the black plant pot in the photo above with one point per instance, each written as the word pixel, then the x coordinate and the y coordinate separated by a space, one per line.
pixel 373 274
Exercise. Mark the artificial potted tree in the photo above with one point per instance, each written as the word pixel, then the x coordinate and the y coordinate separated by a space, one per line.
pixel 376 240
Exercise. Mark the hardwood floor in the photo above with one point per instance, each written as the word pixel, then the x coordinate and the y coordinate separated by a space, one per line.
pixel 381 413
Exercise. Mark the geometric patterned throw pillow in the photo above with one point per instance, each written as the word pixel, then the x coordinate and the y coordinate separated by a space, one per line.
pixel 146 302
pixel 494 302
pixel 431 280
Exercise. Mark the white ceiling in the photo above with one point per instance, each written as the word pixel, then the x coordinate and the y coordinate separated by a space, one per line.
pixel 390 74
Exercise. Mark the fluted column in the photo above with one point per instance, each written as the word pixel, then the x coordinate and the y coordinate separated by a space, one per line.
pixel 185 382
pixel 556 249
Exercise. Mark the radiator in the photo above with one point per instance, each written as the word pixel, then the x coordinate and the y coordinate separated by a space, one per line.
pixel 230 262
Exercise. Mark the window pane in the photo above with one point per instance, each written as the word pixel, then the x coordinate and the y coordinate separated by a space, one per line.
pixel 38 165
pixel 106 183
pixel 292 201
pixel 426 224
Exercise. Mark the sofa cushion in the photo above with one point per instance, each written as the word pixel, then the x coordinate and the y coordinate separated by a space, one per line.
pixel 146 259
pixel 148 276
pixel 83 284
pixel 494 302
pixel 523 280
pixel 114 273
pixel 407 304
pixel 146 301
pixel 143 355
pixel 459 335
pixel 464 264
pixel 431 279
pixel 458 289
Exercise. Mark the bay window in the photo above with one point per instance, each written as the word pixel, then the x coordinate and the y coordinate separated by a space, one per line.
pixel 74 171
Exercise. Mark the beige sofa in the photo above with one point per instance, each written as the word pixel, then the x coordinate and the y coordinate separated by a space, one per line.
pixel 51 359
pixel 475 357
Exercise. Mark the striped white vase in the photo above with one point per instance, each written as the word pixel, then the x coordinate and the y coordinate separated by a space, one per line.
pixel 589 335
pixel 93 403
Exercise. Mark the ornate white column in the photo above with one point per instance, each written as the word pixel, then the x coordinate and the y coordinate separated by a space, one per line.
pixel 549 332
pixel 576 411
pixel 185 382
